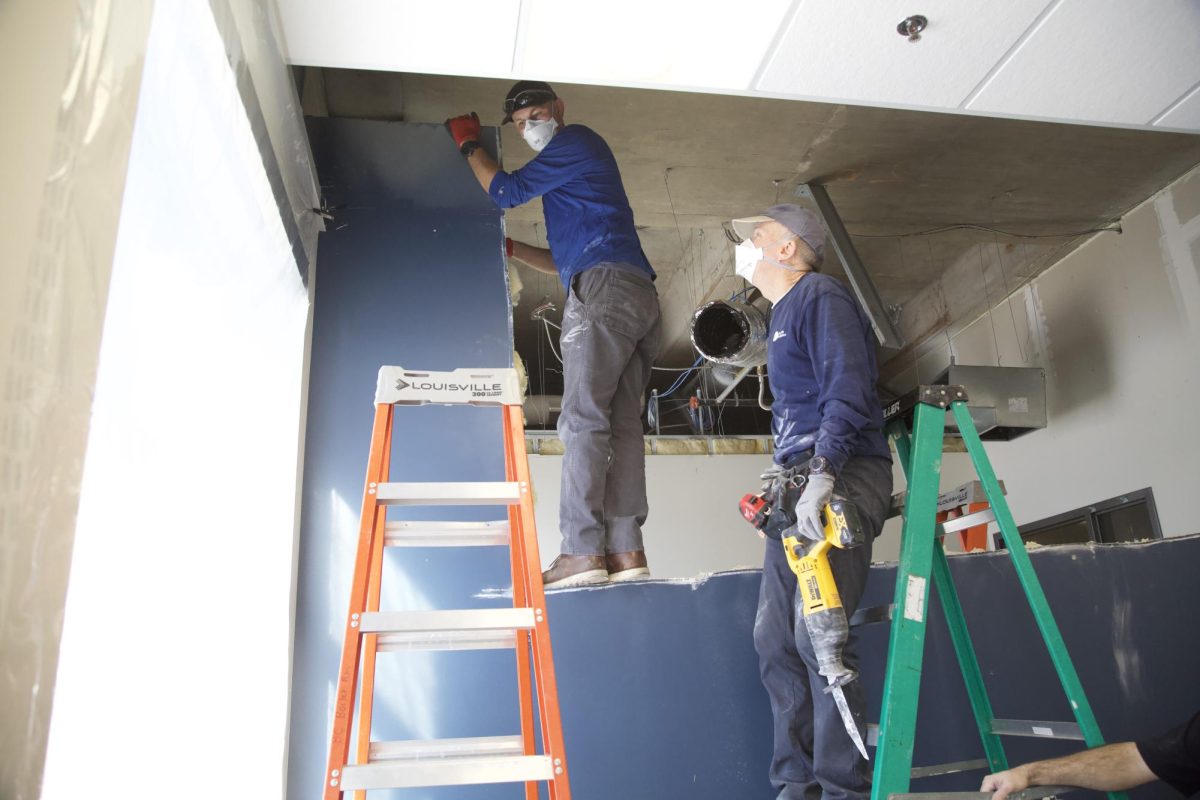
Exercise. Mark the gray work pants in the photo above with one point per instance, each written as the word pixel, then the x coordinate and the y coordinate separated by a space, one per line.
pixel 814 757
pixel 609 340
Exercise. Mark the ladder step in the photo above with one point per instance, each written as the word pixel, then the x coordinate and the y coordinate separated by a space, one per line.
pixel 949 769
pixel 481 620
pixel 1032 793
pixel 872 615
pixel 1041 730
pixel 447 748
pixel 485 493
pixel 446 640
pixel 446 534
pixel 447 772
pixel 969 521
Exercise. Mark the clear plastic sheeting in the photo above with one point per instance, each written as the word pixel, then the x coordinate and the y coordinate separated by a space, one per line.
pixel 253 38
pixel 173 672
pixel 71 71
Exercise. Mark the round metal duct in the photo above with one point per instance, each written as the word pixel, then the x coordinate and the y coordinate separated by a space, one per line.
pixel 730 332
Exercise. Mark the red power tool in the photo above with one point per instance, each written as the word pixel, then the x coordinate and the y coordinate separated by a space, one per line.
pixel 755 509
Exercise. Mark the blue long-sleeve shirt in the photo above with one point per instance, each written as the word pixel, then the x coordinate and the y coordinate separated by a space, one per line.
pixel 588 218
pixel 821 363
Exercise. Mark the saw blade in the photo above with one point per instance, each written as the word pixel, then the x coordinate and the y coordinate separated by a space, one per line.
pixel 839 697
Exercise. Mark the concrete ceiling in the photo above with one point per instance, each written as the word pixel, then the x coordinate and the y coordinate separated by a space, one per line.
pixel 691 161
pixel 1094 61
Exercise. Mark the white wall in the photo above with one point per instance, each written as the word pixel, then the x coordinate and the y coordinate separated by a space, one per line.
pixel 1116 325
pixel 694 525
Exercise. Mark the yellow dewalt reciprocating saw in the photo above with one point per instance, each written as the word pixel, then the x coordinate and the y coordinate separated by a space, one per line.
pixel 824 617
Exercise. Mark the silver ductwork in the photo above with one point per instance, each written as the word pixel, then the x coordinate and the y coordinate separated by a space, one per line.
pixel 540 407
pixel 730 332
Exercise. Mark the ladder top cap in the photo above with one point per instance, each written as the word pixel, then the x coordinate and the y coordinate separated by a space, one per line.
pixel 476 387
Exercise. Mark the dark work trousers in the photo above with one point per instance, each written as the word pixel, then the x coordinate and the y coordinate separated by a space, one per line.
pixel 610 336
pixel 814 758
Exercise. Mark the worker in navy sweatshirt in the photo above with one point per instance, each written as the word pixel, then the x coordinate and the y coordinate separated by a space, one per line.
pixel 610 330
pixel 828 429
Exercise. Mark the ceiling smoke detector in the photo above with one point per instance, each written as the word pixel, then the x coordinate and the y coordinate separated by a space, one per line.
pixel 911 27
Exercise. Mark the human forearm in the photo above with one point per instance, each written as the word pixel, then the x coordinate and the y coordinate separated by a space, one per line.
pixel 537 257
pixel 1113 767
pixel 484 167
pixel 1110 768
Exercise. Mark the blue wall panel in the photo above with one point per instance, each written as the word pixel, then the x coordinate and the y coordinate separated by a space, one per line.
pixel 411 272
pixel 658 682
pixel 661 698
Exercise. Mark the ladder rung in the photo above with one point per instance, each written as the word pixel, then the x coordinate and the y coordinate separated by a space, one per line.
pixel 969 521
pixel 447 748
pixel 1032 793
pixel 947 769
pixel 479 493
pixel 872 615
pixel 1041 730
pixel 446 534
pixel 447 772
pixel 446 640
pixel 484 620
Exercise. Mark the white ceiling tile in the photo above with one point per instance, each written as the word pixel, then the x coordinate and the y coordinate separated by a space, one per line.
pixel 709 44
pixel 851 51
pixel 403 35
pixel 1101 61
pixel 1185 115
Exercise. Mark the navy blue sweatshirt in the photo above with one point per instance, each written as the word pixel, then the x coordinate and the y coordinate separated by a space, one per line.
pixel 588 218
pixel 821 364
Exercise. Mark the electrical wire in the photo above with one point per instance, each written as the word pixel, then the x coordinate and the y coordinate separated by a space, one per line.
pixel 550 338
pixel 683 377
pixel 1113 228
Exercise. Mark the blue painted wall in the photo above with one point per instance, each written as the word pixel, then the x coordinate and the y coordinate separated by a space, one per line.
pixel 661 699
pixel 411 272
pixel 658 682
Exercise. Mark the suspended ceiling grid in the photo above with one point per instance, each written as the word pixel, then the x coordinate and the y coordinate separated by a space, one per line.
pixel 1092 61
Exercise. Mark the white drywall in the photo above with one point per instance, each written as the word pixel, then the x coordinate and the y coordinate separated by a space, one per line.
pixel 694 525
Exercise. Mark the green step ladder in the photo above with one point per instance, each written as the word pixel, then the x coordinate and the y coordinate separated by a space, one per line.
pixel 922 556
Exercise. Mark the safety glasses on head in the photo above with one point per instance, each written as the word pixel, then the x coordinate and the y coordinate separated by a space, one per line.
pixel 525 94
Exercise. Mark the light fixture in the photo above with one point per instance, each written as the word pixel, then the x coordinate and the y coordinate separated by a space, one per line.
pixel 911 27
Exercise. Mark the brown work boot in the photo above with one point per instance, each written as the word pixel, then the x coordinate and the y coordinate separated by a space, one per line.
pixel 568 570
pixel 627 566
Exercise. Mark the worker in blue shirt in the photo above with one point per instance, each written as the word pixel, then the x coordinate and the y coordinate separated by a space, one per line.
pixel 610 329
pixel 828 429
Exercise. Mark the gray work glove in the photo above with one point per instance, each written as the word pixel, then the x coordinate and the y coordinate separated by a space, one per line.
pixel 812 502
pixel 769 477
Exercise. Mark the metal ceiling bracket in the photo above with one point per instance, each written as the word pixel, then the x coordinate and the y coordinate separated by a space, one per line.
pixel 860 280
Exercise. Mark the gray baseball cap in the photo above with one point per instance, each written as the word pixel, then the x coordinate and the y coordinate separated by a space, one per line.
pixel 799 220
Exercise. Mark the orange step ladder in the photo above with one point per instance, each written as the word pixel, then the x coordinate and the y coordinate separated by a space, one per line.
pixel 524 627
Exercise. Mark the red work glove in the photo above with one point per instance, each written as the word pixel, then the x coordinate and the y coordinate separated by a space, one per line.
pixel 464 129
pixel 508 247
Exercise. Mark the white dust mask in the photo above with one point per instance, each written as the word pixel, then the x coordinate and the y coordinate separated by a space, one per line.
pixel 745 260
pixel 537 133
pixel 746 257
